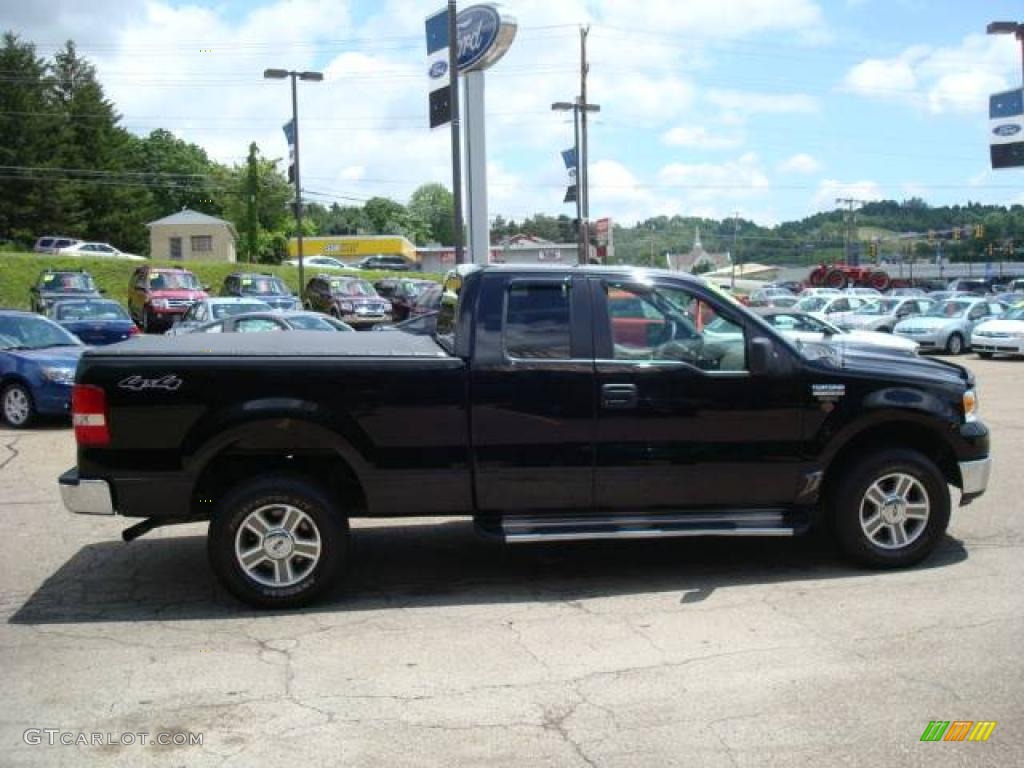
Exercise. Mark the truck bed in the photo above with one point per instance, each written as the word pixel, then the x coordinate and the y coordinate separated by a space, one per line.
pixel 283 344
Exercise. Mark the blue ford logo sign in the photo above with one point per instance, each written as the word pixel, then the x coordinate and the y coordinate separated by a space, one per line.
pixel 438 69
pixel 482 36
pixel 1006 130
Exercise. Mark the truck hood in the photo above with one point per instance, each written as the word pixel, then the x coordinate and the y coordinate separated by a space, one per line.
pixel 888 367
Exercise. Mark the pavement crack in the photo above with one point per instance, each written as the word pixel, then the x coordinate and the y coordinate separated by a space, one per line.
pixel 556 722
pixel 14 452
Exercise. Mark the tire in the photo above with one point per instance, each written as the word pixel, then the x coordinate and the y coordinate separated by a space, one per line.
pixel 270 580
pixel 835 279
pixel 985 355
pixel 817 276
pixel 873 527
pixel 954 344
pixel 878 280
pixel 17 406
pixel 147 320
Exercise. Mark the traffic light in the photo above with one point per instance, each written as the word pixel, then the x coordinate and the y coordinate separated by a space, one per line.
pixel 991 249
pixel 931 236
pixel 873 249
pixel 979 231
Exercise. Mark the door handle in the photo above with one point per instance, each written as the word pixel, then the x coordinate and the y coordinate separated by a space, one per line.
pixel 619 396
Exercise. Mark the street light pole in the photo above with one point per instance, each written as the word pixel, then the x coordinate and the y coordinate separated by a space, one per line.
pixel 280 74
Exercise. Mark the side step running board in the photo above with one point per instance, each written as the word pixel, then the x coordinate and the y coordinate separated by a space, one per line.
pixel 522 529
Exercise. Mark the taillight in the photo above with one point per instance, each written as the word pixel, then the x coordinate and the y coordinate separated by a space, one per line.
pixel 89 415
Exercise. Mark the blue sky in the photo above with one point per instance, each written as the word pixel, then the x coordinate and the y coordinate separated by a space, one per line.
pixel 770 108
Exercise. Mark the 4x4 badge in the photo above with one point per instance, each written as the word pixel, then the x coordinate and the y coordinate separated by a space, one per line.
pixel 170 383
pixel 828 392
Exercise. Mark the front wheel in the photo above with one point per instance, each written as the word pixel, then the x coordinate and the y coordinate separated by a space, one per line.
pixel 954 344
pixel 18 407
pixel 891 510
pixel 277 542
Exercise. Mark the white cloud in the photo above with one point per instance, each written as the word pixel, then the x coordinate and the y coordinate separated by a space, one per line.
pixel 830 189
pixel 939 79
pixel 699 137
pixel 746 103
pixel 799 163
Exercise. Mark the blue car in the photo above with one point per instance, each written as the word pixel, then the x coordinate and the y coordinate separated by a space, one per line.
pixel 94 321
pixel 37 367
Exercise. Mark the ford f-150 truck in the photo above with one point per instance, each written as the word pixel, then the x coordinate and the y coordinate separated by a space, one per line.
pixel 551 405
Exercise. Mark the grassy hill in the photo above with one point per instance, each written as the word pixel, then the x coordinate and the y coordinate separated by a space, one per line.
pixel 19 271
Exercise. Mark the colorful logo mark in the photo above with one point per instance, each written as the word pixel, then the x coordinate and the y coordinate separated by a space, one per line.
pixel 958 730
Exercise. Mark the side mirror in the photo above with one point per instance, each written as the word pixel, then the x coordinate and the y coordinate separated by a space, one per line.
pixel 762 355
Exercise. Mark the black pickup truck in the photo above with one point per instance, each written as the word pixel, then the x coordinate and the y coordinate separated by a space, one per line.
pixel 552 405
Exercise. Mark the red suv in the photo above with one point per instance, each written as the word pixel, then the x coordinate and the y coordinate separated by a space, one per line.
pixel 158 295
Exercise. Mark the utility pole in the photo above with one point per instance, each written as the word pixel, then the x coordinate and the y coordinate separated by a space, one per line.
pixel 252 220
pixel 584 167
pixel 849 218
pixel 732 256
pixel 580 107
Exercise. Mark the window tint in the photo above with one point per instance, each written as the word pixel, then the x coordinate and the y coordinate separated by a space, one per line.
pixel 537 321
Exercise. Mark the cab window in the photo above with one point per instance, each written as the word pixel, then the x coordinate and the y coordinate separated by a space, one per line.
pixel 537 320
pixel 671 324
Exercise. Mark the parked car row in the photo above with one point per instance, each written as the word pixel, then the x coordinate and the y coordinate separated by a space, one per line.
pixel 71 246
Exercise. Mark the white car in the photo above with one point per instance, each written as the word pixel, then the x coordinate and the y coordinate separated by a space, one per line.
pixel 1003 335
pixel 823 307
pixel 820 292
pixel 97 250
pixel 801 326
pixel 322 262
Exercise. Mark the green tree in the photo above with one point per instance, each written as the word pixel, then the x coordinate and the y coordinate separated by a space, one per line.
pixel 433 206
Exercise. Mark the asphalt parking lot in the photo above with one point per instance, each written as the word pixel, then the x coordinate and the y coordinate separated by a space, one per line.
pixel 445 650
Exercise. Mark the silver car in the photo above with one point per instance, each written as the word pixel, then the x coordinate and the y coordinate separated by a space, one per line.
pixel 211 309
pixel 882 315
pixel 948 324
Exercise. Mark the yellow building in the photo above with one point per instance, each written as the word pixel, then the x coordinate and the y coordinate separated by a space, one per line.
pixel 351 247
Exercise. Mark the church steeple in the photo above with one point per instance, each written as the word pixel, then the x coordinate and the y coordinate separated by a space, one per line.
pixel 696 239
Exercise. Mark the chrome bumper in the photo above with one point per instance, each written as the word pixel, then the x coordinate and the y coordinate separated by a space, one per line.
pixel 85 497
pixel 974 476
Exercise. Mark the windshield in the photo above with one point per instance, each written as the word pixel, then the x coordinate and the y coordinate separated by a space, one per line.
pixel 264 286
pixel 28 332
pixel 71 282
pixel 812 303
pixel 949 309
pixel 173 281
pixel 238 308
pixel 352 288
pixel 90 310
pixel 882 307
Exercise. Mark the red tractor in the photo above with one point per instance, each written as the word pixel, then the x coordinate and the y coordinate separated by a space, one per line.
pixel 843 275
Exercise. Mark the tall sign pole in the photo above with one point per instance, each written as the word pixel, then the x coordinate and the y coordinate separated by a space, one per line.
pixel 453 69
pixel 474 39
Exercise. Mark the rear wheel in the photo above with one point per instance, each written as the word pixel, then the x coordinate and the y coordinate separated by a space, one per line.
pixel 835 279
pixel 891 510
pixel 18 407
pixel 954 344
pixel 277 542
pixel 148 324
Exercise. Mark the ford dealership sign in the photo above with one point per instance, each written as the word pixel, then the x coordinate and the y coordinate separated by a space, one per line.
pixel 1008 129
pixel 483 35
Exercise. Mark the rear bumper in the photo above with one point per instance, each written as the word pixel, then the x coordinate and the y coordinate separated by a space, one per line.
pixel 85 497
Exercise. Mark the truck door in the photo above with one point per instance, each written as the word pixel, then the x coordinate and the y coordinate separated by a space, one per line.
pixel 532 394
pixel 681 422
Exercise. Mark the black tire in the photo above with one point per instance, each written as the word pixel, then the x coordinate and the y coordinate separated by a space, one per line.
pixel 985 355
pixel 265 498
pixel 849 504
pixel 147 320
pixel 954 344
pixel 19 414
